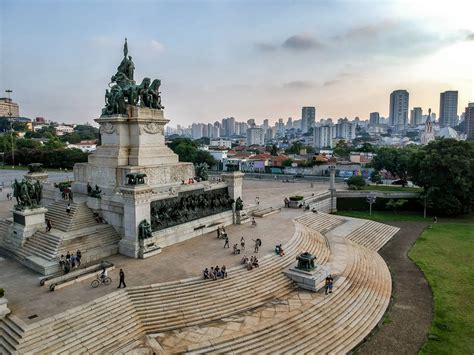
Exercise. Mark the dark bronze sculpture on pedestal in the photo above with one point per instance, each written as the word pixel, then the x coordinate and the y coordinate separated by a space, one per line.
pixel 27 195
pixel 124 91
pixel 306 262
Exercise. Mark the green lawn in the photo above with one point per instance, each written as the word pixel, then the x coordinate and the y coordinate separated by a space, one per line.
pixel 385 216
pixel 391 188
pixel 445 253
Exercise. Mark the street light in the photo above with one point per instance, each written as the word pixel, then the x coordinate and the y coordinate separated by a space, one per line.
pixel 8 91
pixel 371 200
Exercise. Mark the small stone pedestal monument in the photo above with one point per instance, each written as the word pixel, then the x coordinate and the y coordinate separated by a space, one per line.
pixel 306 273
pixel 36 173
pixel 28 215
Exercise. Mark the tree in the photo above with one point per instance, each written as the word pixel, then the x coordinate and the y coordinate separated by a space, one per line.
pixel 274 150
pixel 287 162
pixel 54 143
pixel 342 149
pixel 295 148
pixel 395 160
pixel 188 151
pixel 445 170
pixel 356 182
pixel 203 156
pixel 375 177
pixel 395 204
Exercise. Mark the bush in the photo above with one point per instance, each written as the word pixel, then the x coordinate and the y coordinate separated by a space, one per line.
pixel 2 292
pixel 356 182
pixel 296 198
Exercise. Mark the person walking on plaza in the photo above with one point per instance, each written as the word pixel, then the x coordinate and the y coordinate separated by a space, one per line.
pixel 326 284
pixel 68 208
pixel 258 244
pixel 242 243
pixel 122 279
pixel 226 244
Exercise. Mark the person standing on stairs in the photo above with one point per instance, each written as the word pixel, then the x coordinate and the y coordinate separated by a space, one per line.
pixel 48 225
pixel 68 208
pixel 122 279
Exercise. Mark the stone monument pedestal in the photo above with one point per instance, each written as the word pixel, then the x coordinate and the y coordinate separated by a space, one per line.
pixel 136 208
pixel 27 222
pixel 37 176
pixel 234 181
pixel 309 280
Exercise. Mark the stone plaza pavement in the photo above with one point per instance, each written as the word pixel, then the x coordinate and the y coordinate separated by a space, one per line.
pixel 183 260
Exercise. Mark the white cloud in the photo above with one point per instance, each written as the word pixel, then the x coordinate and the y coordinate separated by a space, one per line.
pixel 157 46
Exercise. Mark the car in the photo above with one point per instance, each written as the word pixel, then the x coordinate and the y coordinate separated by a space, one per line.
pixel 399 182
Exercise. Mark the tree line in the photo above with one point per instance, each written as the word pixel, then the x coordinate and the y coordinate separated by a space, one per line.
pixel 444 168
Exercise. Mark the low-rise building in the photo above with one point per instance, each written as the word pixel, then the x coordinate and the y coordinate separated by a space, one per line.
pixel 85 146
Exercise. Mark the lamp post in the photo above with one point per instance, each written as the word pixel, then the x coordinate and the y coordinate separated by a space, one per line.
pixel 8 91
pixel 371 198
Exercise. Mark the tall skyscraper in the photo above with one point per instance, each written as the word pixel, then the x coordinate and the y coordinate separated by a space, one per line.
pixel 265 124
pixel 416 116
pixel 469 121
pixel 374 119
pixel 399 109
pixel 308 118
pixel 448 109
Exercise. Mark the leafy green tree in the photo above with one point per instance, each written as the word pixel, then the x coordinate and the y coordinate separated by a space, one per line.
pixel 295 148
pixel 27 143
pixel 445 170
pixel 20 126
pixel 375 177
pixel 287 162
pixel 395 160
pixel 356 182
pixel 367 148
pixel 395 205
pixel 54 143
pixel 274 150
pixel 188 151
pixel 342 149
pixel 203 156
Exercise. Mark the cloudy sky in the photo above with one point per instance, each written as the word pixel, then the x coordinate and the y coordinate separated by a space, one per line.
pixel 248 59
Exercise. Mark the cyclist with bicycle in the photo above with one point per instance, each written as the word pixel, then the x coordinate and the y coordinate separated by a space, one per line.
pixel 103 274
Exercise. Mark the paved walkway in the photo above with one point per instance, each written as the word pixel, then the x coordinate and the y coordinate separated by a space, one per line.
pixel 178 261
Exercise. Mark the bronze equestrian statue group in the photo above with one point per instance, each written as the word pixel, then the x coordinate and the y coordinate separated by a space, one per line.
pixel 124 91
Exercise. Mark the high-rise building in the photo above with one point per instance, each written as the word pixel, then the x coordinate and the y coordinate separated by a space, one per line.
pixel 448 109
pixel 469 121
pixel 228 125
pixel 251 122
pixel 345 129
pixel 398 118
pixel 255 136
pixel 196 130
pixel 265 124
pixel 323 136
pixel 289 123
pixel 374 119
pixel 308 118
pixel 8 108
pixel 416 116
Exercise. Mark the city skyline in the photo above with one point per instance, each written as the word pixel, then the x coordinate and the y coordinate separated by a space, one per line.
pixel 344 58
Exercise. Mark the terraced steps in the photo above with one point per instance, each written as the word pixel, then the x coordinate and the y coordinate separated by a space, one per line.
pixel 373 235
pixel 177 304
pixel 44 245
pixel 88 328
pixel 101 236
pixel 10 335
pixel 80 216
pixel 328 324
pixel 319 221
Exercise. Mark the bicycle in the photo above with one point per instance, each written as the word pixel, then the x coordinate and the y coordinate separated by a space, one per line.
pixel 99 280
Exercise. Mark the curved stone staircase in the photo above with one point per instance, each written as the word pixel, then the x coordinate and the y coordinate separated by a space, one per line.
pixel 274 316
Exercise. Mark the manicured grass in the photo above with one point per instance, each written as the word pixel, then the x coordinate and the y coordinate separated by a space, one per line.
pixel 445 253
pixel 391 188
pixel 385 216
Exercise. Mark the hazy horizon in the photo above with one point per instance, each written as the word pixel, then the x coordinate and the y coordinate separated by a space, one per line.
pixel 246 59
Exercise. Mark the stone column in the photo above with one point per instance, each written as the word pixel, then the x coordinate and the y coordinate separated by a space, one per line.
pixel 234 182
pixel 26 223
pixel 136 208
pixel 332 187
pixel 4 310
